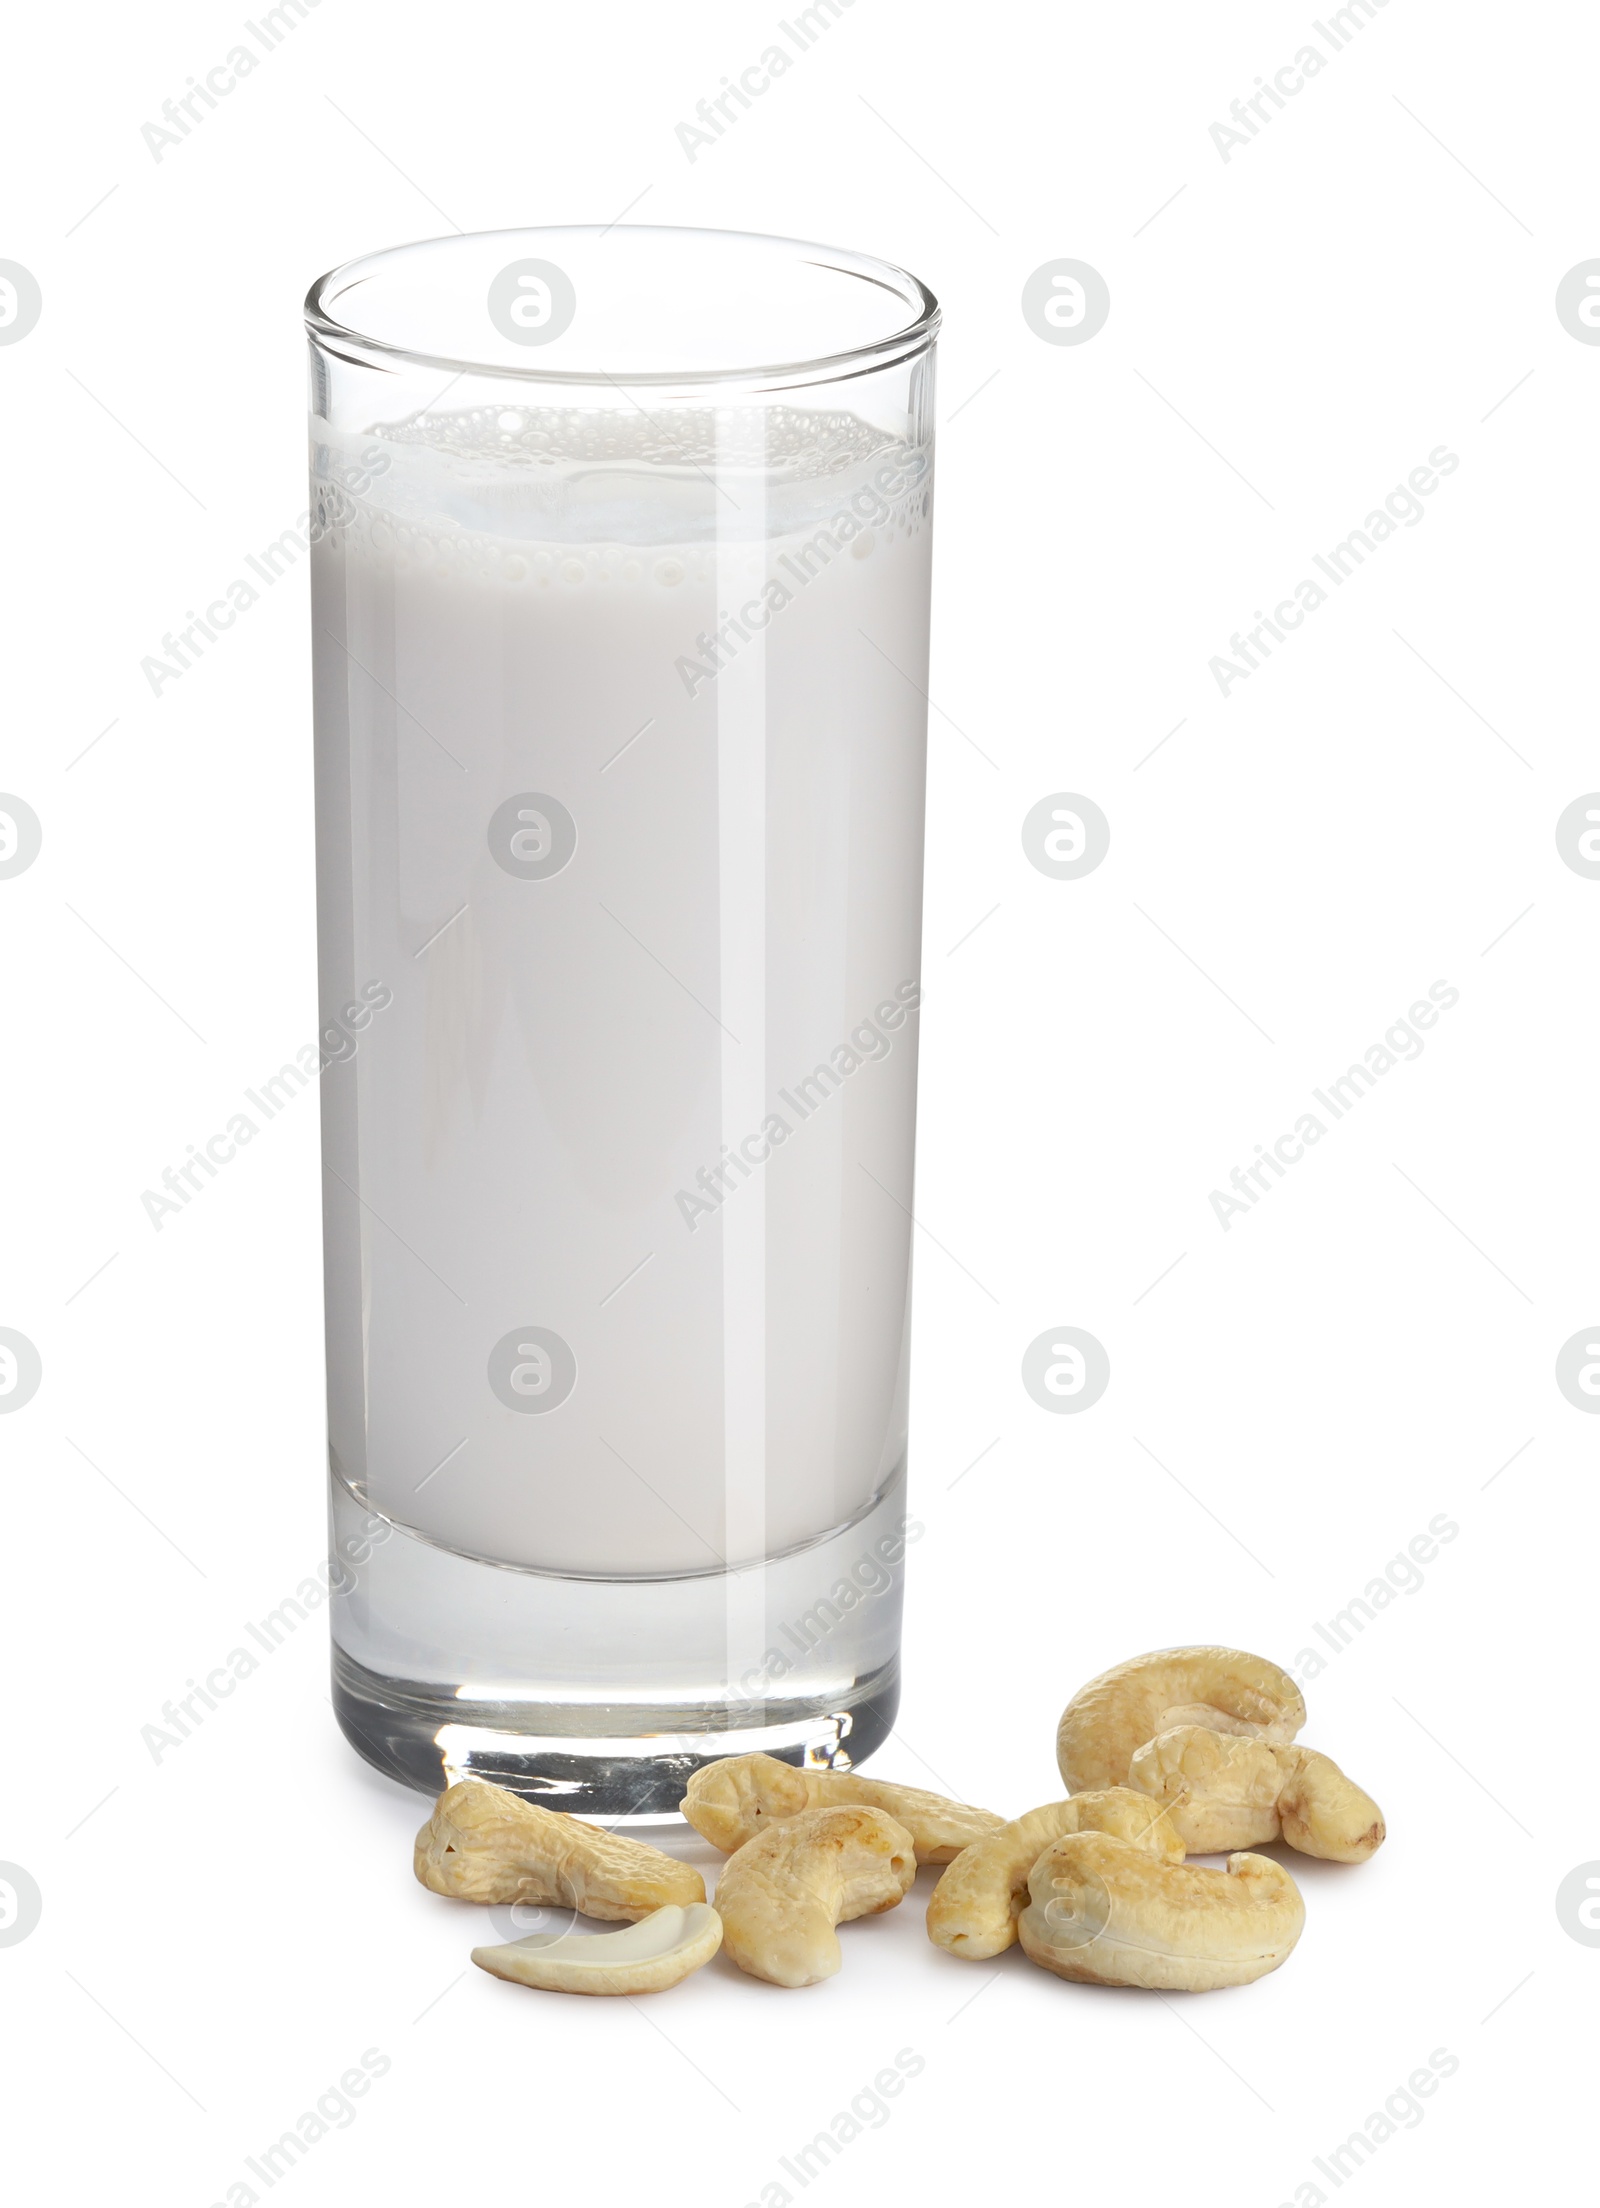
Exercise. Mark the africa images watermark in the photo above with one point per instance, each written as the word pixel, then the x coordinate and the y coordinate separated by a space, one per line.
pixel 1402 2110
pixel 873 1574
pixel 187 110
pixel 723 109
pixel 336 1575
pixel 869 2110
pixel 340 482
pixel 1403 506
pixel 1400 1041
pixel 1252 113
pixel 1402 1575
pixel 335 1044
pixel 868 1039
pixel 335 2110
pixel 851 527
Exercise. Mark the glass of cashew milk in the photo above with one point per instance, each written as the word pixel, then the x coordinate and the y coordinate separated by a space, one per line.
pixel 620 603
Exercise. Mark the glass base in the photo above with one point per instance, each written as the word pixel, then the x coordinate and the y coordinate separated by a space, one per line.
pixel 603 1696
pixel 427 1738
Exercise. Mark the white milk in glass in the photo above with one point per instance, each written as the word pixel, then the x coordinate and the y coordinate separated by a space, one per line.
pixel 620 774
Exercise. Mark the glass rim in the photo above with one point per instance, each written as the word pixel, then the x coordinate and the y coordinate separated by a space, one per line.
pixel 916 335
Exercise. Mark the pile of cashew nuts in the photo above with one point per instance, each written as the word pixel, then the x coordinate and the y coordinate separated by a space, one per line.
pixel 1187 1750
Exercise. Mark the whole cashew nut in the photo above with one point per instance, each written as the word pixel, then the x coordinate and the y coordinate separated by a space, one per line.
pixel 782 1893
pixel 1221 1688
pixel 974 1908
pixel 729 1801
pixel 1225 1791
pixel 485 1844
pixel 1106 1913
pixel 659 1951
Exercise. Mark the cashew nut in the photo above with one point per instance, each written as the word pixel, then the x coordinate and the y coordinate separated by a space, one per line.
pixel 485 1844
pixel 1221 1789
pixel 728 1802
pixel 659 1951
pixel 1221 1688
pixel 782 1893
pixel 1324 1813
pixel 1225 1791
pixel 1106 1913
pixel 974 1908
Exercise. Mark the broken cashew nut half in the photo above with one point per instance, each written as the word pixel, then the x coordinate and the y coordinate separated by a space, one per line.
pixel 485 1844
pixel 1224 1689
pixel 659 1951
pixel 1106 1913
pixel 782 1893
pixel 730 1801
pixel 974 1908
pixel 1225 1791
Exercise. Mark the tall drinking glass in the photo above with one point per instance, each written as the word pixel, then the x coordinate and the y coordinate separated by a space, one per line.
pixel 621 561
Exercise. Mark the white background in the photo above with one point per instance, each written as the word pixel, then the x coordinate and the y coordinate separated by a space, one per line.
pixel 225 1932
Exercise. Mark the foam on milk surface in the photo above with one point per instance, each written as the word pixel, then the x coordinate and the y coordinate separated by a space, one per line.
pixel 525 475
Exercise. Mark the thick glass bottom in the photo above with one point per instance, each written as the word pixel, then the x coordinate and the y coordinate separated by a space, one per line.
pixel 603 1696
pixel 635 1771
